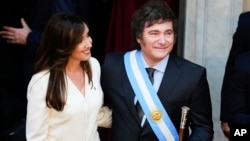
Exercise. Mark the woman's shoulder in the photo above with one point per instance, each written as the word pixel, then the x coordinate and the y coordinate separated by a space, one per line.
pixel 95 65
pixel 39 77
pixel 93 60
pixel 41 74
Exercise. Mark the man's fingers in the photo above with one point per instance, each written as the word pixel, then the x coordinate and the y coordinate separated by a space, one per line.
pixel 24 24
pixel 9 28
pixel 3 32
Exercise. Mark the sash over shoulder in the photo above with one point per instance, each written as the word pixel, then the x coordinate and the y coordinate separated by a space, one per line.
pixel 148 98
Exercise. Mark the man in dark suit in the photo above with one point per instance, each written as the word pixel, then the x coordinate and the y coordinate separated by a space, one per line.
pixel 239 99
pixel 176 83
pixel 241 43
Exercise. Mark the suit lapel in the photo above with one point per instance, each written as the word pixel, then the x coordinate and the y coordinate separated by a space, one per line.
pixel 170 78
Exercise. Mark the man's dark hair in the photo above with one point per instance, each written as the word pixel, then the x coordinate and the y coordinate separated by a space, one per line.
pixel 154 11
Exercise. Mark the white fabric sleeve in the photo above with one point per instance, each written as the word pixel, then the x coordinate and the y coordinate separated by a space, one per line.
pixel 37 111
pixel 104 118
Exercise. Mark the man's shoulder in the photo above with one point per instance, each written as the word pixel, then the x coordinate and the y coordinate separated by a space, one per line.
pixel 180 61
pixel 245 14
pixel 244 19
pixel 114 57
pixel 115 54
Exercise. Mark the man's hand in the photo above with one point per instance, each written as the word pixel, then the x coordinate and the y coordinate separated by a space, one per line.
pixel 226 130
pixel 16 35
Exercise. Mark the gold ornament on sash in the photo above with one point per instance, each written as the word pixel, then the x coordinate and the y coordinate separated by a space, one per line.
pixel 156 115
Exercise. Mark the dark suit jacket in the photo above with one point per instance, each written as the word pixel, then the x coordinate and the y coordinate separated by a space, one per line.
pixel 241 43
pixel 183 84
pixel 239 103
pixel 239 95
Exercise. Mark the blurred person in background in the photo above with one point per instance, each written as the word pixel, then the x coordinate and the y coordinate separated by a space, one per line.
pixel 240 44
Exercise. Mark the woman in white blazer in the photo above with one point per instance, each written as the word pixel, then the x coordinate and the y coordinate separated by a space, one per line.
pixel 65 99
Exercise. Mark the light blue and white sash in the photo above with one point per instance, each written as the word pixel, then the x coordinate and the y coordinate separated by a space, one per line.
pixel 147 96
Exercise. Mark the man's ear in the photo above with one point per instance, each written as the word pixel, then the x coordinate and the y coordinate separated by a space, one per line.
pixel 138 40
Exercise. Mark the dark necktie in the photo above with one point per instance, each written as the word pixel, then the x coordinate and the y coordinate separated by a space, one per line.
pixel 150 72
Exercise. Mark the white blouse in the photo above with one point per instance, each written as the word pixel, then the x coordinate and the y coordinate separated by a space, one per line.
pixel 80 117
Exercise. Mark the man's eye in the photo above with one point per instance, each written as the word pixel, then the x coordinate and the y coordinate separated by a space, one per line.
pixel 153 33
pixel 169 32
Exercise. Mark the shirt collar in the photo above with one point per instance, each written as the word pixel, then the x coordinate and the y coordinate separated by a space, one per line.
pixel 161 66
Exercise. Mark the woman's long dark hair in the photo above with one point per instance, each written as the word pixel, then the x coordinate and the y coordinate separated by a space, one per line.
pixel 62 34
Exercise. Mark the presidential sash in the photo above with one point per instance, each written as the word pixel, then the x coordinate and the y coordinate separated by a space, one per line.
pixel 147 96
